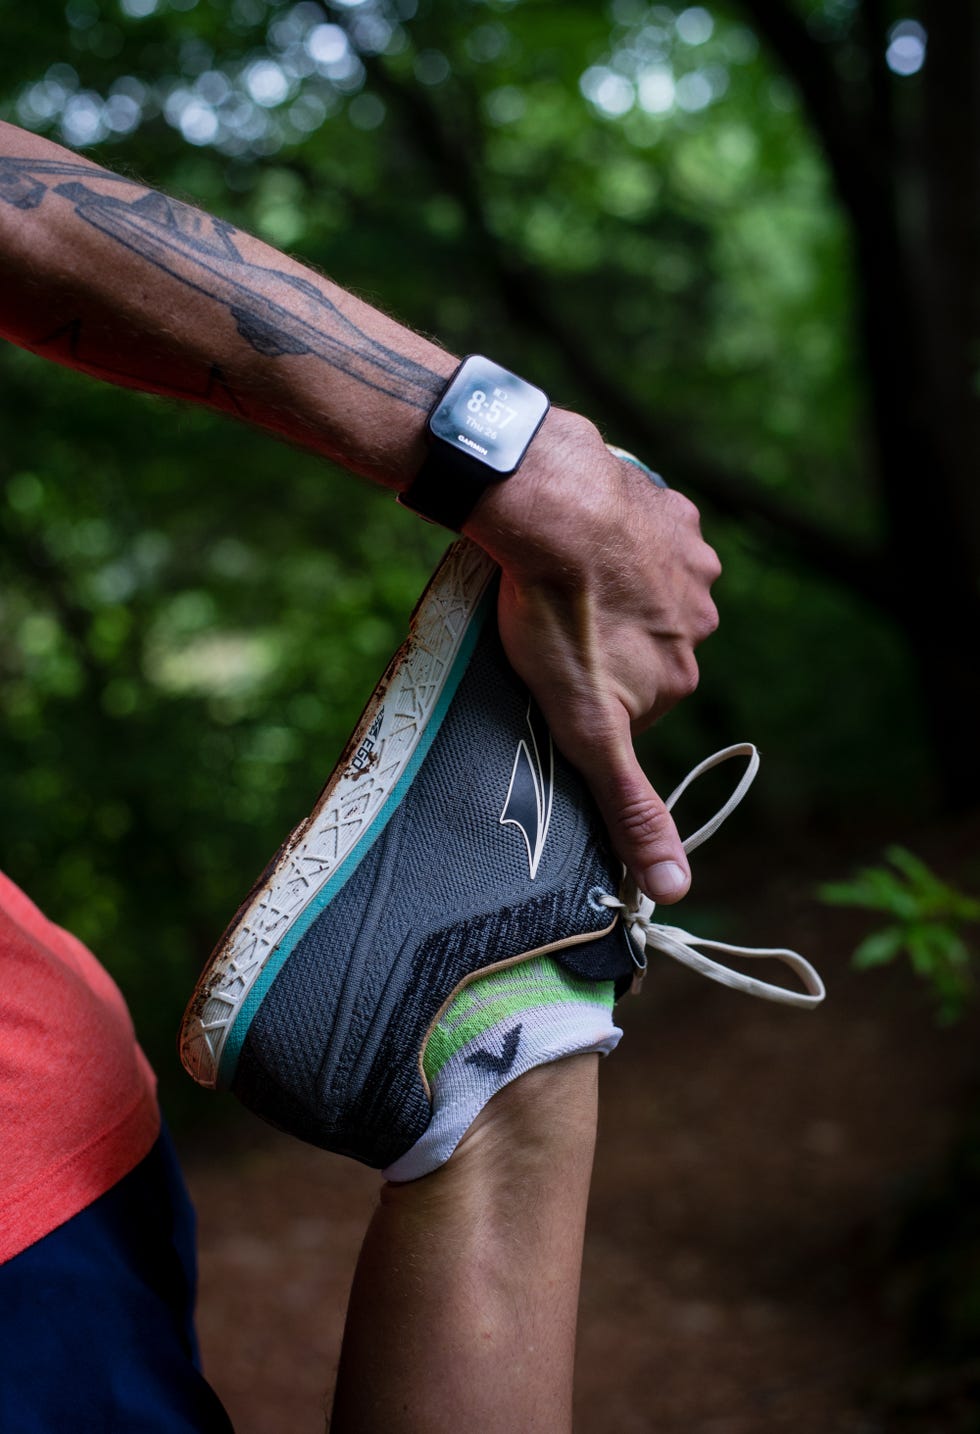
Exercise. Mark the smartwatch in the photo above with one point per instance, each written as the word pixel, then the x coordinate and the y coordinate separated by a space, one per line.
pixel 478 433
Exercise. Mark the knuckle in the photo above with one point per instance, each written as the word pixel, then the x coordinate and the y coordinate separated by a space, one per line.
pixel 644 822
pixel 682 680
pixel 707 622
pixel 686 510
pixel 687 679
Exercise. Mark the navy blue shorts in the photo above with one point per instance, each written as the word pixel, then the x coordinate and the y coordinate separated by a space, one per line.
pixel 97 1319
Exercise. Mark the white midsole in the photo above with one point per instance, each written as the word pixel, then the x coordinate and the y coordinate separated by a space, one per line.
pixel 382 746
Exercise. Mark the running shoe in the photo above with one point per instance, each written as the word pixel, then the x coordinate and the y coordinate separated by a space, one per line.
pixel 452 838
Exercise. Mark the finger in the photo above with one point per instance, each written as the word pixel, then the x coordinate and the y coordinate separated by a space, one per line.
pixel 640 827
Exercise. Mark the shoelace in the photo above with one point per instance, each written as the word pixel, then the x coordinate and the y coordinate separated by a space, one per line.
pixel 646 935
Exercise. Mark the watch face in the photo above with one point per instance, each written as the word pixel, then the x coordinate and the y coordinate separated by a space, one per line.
pixel 489 413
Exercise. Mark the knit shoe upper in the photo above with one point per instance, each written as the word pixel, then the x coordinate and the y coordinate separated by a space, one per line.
pixel 451 838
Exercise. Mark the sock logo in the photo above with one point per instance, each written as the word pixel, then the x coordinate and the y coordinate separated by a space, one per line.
pixel 498 1065
pixel 528 804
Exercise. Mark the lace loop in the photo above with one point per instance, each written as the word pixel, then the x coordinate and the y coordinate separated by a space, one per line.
pixel 739 749
pixel 645 934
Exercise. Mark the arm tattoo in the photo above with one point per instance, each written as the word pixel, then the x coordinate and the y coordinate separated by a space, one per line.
pixel 275 312
pixel 215 389
pixel 22 186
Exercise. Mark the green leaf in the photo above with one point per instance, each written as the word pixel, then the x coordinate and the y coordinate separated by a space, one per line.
pixel 879 948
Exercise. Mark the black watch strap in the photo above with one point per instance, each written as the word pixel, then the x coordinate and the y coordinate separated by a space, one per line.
pixel 446 488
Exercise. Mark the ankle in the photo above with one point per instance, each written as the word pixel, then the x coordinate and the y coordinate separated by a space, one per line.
pixel 538 1119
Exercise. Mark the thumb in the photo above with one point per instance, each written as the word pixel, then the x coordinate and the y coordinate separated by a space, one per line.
pixel 640 827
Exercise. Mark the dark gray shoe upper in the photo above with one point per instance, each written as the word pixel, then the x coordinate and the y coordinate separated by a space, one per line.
pixel 332 1054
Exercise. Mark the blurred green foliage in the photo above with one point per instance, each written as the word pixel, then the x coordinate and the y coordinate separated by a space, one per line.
pixel 928 919
pixel 625 202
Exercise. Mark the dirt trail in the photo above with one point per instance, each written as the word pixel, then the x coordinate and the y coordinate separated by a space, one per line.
pixel 747 1156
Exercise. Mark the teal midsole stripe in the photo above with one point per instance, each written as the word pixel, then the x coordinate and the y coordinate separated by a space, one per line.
pixel 239 1030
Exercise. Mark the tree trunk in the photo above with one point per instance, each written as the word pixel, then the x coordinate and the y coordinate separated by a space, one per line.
pixel 920 323
pixel 906 176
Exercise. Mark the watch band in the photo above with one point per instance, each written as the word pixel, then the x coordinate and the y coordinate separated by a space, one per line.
pixel 446 488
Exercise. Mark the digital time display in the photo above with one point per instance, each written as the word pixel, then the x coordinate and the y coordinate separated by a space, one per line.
pixel 490 414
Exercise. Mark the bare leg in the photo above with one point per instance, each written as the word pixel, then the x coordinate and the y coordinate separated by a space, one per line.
pixel 463 1310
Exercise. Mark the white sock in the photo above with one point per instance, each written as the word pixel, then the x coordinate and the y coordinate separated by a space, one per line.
pixel 499 1026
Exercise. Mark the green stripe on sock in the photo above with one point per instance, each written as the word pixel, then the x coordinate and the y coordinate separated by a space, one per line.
pixel 494 1006
pixel 543 970
pixel 499 995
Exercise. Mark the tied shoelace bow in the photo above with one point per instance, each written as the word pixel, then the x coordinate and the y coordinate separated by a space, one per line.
pixel 646 934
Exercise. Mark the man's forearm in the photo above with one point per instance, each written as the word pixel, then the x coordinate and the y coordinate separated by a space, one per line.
pixel 105 275
pixel 605 579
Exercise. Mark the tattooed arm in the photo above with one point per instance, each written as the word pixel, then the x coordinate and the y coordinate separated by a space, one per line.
pixel 103 274
pixel 606 579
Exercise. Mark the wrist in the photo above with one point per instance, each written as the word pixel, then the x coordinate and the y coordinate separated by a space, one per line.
pixel 561 493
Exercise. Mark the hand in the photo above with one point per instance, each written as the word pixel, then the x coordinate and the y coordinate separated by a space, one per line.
pixel 604 596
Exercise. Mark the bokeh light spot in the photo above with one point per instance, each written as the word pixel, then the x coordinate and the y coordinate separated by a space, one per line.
pixel 694 92
pixel 656 90
pixel 694 26
pixel 266 83
pixel 610 92
pixel 906 53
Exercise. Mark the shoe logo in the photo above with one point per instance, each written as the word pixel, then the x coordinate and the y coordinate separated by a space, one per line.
pixel 366 756
pixel 498 1065
pixel 528 804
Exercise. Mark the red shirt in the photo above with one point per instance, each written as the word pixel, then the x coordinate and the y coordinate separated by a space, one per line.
pixel 78 1103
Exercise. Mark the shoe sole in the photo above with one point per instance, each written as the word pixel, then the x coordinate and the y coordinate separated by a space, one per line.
pixel 378 764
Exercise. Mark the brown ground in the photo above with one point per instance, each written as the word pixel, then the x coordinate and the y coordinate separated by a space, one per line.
pixel 750 1159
